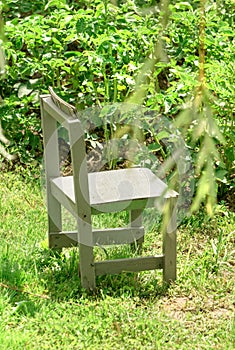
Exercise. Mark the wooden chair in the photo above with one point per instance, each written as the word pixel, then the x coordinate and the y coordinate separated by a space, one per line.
pixel 85 194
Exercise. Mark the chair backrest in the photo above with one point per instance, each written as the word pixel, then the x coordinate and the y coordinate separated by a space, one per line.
pixel 55 110
pixel 62 105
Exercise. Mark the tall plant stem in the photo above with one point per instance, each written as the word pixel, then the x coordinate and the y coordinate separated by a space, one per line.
pixel 202 50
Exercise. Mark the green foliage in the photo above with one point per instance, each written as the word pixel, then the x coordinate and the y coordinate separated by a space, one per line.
pixel 99 52
pixel 91 55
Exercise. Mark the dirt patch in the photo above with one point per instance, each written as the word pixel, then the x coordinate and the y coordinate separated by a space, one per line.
pixel 179 307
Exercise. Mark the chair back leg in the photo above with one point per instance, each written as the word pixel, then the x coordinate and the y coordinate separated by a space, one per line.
pixel 169 241
pixel 52 169
pixel 54 220
pixel 135 218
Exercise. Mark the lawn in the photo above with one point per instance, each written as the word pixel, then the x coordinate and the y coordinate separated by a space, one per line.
pixel 42 305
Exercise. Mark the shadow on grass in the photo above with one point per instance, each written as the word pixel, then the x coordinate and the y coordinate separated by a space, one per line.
pixel 11 272
pixel 12 290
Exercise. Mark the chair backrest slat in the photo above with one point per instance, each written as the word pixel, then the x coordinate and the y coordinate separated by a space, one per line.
pixel 61 104
pixel 55 110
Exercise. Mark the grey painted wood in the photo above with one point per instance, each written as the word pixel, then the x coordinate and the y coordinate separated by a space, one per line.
pixel 87 267
pixel 62 105
pixel 64 239
pixel 82 205
pixel 135 218
pixel 51 109
pixel 112 236
pixel 60 194
pixel 51 160
pixel 116 190
pixel 169 242
pixel 129 265
pixel 109 236
pixel 85 194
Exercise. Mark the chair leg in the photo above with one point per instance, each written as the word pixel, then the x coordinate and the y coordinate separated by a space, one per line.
pixel 87 267
pixel 86 255
pixel 54 220
pixel 135 218
pixel 169 242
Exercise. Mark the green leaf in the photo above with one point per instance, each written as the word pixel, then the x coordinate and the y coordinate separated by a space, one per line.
pixel 163 135
pixel 81 25
pixel 24 91
pixel 61 4
pixel 154 147
pixel 220 175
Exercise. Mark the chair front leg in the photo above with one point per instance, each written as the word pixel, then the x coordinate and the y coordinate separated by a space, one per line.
pixel 86 267
pixel 86 255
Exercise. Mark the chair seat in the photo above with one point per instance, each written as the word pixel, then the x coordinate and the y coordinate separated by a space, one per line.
pixel 125 189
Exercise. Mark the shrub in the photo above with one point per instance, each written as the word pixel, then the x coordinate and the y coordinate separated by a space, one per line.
pixel 92 53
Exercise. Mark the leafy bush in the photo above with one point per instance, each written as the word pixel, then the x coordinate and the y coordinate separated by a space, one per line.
pixel 92 53
pixel 90 56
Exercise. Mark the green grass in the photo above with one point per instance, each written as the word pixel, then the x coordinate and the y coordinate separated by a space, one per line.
pixel 42 304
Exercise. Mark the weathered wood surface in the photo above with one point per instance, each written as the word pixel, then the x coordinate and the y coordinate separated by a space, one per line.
pixel 85 194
